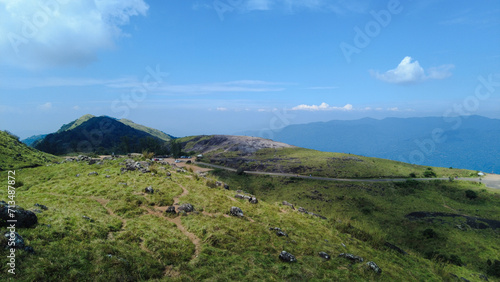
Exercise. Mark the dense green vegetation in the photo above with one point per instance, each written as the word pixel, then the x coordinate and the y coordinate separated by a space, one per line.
pixel 376 212
pixel 17 155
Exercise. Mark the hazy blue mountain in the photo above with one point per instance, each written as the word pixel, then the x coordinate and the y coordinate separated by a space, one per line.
pixel 471 142
pixel 30 141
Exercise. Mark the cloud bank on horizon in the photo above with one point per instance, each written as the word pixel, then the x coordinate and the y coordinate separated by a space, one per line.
pixel 38 34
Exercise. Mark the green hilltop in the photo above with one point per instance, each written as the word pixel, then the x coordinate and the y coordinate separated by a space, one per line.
pixel 151 131
pixel 16 154
pixel 75 123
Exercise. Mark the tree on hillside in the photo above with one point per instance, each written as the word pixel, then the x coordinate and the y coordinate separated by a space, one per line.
pixel 175 148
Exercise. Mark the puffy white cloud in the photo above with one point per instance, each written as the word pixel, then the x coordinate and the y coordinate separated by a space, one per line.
pixel 323 107
pixel 45 33
pixel 409 71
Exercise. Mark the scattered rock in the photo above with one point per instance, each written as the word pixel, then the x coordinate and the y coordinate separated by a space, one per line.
pixel 218 183
pixel 253 200
pixel 122 183
pixel 226 186
pixel 303 210
pixel 83 158
pixel 287 257
pixel 78 175
pixel 41 206
pixel 396 248
pixel 281 234
pixel 245 197
pixel 108 176
pixel 93 173
pixel 24 218
pixel 373 266
pixel 324 255
pixel 16 238
pixel 149 190
pixel 186 207
pixel 171 209
pixel 352 257
pixel 235 211
pixel 169 174
pixel 288 204
pixel 29 249
pixel 88 218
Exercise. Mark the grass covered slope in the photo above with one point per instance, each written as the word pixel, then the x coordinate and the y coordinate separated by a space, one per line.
pixel 467 242
pixel 154 132
pixel 105 227
pixel 335 165
pixel 16 154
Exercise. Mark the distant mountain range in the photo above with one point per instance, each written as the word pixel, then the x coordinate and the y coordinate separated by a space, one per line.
pixel 103 135
pixel 471 142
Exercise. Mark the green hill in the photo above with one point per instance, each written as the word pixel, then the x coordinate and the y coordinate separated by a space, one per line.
pixel 151 131
pixel 101 135
pixel 75 123
pixel 104 226
pixel 16 154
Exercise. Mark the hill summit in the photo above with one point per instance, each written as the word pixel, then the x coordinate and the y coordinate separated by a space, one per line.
pixel 103 135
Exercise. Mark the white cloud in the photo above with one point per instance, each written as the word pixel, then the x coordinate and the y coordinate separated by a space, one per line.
pixel 221 109
pixel 323 107
pixel 76 108
pixel 45 107
pixel 46 33
pixel 409 71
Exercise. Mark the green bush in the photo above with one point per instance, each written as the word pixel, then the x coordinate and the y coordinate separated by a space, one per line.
pixel 493 268
pixel 471 194
pixel 429 173
pixel 429 233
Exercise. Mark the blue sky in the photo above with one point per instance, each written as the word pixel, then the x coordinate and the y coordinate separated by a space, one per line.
pixel 226 66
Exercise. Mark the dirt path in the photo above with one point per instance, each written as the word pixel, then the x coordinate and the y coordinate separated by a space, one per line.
pixel 160 212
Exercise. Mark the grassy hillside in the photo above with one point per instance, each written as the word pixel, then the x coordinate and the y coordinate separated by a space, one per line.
pixel 104 227
pixel 378 213
pixel 151 131
pixel 16 154
pixel 336 165
pixel 75 123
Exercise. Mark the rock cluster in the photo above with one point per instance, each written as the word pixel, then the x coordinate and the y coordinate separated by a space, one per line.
pixel 24 218
pixel 186 207
pixel 352 257
pixel 149 190
pixel 235 211
pixel 324 255
pixel 287 257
